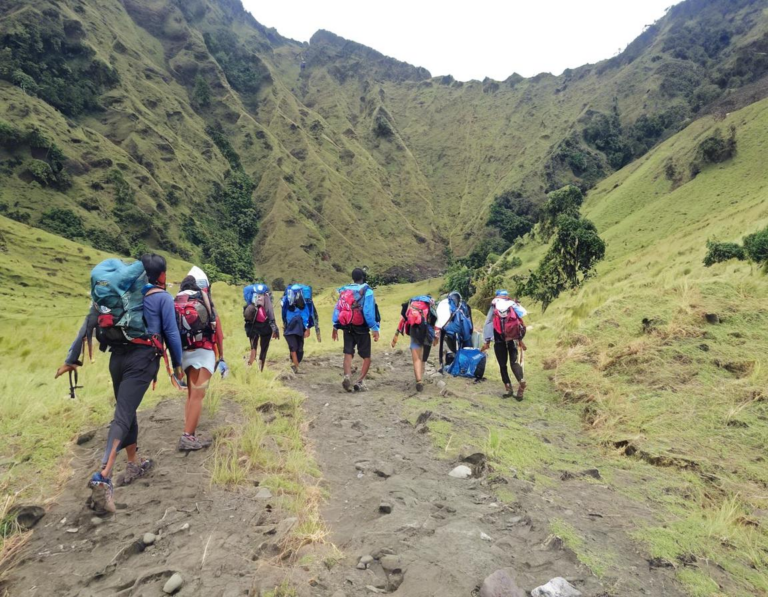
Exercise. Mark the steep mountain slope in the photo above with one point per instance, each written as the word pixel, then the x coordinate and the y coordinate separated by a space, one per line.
pixel 667 386
pixel 190 126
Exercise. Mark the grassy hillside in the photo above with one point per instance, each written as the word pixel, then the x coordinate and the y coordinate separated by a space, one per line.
pixel 634 353
pixel 191 127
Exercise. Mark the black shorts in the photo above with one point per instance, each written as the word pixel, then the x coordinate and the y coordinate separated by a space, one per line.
pixel 361 340
pixel 295 343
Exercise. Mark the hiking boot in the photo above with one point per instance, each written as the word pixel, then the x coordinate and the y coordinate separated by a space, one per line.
pixel 419 386
pixel 102 500
pixel 134 470
pixel 295 369
pixel 347 383
pixel 360 386
pixel 520 390
pixel 188 443
pixel 508 391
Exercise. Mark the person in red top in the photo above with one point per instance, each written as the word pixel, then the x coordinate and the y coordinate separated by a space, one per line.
pixel 199 362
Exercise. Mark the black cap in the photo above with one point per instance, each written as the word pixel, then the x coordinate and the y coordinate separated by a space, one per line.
pixel 154 265
pixel 358 275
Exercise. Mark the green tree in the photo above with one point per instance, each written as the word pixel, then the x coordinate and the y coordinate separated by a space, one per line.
pixel 571 259
pixel 563 202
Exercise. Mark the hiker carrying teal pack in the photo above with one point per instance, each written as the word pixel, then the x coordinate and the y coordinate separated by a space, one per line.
pixel 299 316
pixel 260 326
pixel 357 315
pixel 202 340
pixel 135 316
pixel 504 325
pixel 417 320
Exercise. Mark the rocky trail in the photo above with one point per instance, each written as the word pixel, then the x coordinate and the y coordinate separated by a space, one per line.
pixel 401 524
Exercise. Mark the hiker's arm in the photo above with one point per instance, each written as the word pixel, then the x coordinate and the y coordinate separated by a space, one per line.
pixel 219 338
pixel 283 309
pixel 72 359
pixel 488 327
pixel 369 311
pixel 170 329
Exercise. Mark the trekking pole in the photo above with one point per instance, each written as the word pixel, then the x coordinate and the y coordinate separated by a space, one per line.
pixel 73 386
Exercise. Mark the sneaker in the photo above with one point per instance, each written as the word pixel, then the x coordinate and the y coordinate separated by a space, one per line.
pixel 102 500
pixel 521 390
pixel 295 369
pixel 133 471
pixel 419 386
pixel 360 386
pixel 189 443
pixel 347 383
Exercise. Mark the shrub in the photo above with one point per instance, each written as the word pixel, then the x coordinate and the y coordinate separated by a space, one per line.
pixel 10 136
pixel 201 96
pixel 719 252
pixel 63 222
pixel 41 172
pixel 459 279
pixel 756 246
pixel 217 136
pixel 382 128
pixel 512 215
pixel 278 284
pixel 716 149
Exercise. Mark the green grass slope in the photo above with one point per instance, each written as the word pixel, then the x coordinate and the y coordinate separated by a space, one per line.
pixel 683 395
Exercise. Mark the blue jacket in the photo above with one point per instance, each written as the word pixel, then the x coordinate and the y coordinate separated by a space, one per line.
pixel 369 307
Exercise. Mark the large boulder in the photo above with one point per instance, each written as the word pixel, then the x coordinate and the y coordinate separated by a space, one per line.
pixel 501 584
pixel 557 587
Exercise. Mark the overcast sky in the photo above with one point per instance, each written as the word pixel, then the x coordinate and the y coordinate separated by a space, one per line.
pixel 475 39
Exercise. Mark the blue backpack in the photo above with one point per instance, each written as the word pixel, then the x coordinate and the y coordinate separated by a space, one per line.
pixel 249 291
pixel 459 326
pixel 298 302
pixel 117 290
pixel 468 362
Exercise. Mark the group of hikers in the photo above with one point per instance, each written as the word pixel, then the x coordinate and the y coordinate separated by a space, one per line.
pixel 141 324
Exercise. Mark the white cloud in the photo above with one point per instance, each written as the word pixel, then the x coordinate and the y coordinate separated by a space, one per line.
pixel 472 40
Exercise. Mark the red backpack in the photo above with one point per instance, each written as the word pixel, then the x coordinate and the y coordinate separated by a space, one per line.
pixel 350 306
pixel 194 321
pixel 507 324
pixel 417 312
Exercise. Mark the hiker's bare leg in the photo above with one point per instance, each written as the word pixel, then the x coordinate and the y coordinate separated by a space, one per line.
pixel 198 384
pixel 364 369
pixel 252 358
pixel 348 364
pixel 417 365
pixel 295 359
pixel 130 452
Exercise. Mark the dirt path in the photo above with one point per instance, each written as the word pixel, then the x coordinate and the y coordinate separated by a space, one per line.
pixel 210 536
pixel 442 537
pixel 447 534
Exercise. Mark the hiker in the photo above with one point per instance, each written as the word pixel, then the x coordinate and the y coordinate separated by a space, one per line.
pixel 202 342
pixel 504 325
pixel 260 326
pixel 136 345
pixel 299 315
pixel 357 315
pixel 453 326
pixel 417 319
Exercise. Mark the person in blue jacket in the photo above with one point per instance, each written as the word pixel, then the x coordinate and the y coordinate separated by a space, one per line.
pixel 357 301
pixel 133 367
pixel 298 320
